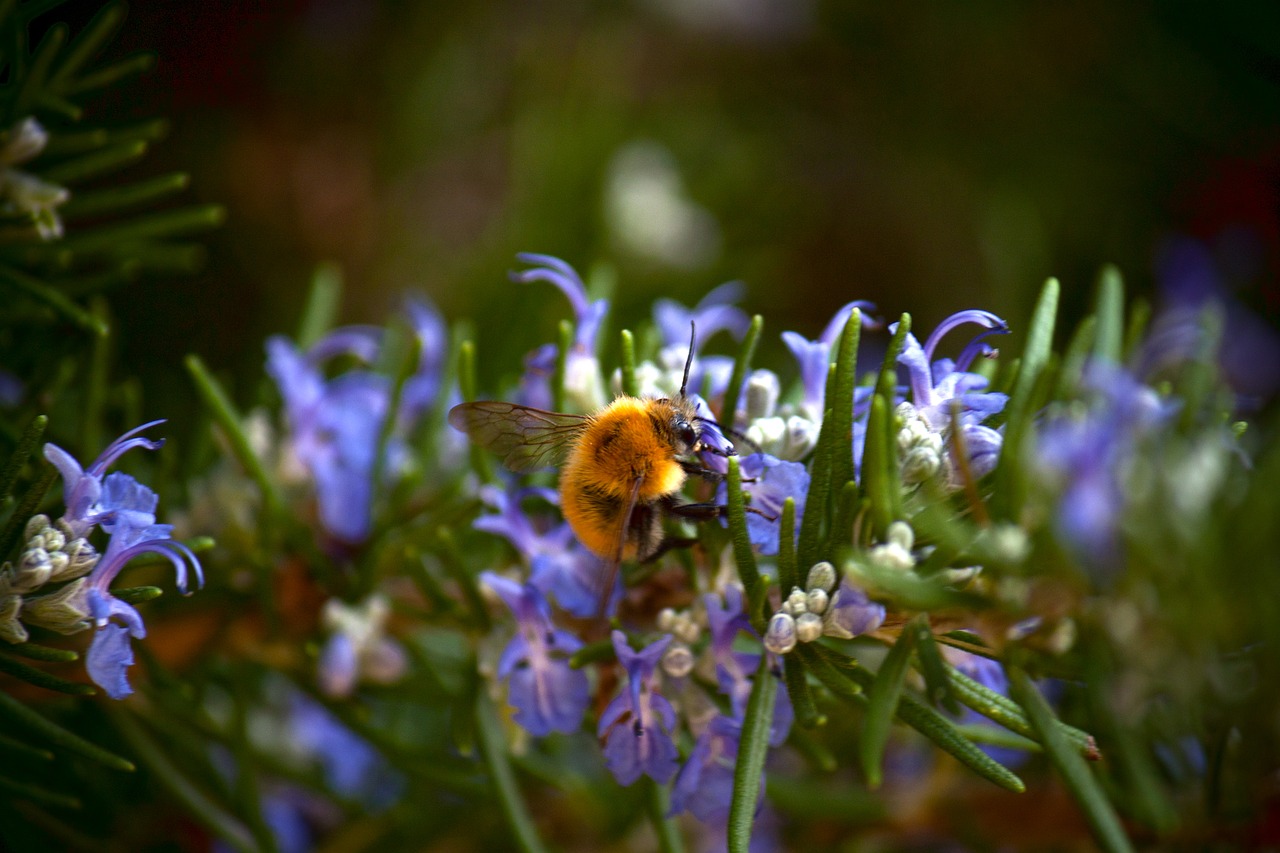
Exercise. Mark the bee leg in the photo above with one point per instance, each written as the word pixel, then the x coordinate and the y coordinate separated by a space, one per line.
pixel 696 470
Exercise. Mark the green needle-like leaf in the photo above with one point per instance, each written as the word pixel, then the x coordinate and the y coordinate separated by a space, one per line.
pixel 882 703
pixel 1109 339
pixel 19 281
pixel 493 748
pixel 562 363
pixel 839 399
pixel 788 570
pixel 25 509
pixel 807 714
pixel 752 749
pixel 90 40
pixel 324 299
pixel 887 382
pixel 629 386
pixel 34 651
pixel 1086 790
pixel 880 474
pixel 1003 710
pixel 935 671
pixel 744 557
pixel 16 789
pixel 40 678
pixel 808 550
pixel 21 453
pixel 58 736
pixel 741 366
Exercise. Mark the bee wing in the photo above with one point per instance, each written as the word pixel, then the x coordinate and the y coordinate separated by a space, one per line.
pixel 525 438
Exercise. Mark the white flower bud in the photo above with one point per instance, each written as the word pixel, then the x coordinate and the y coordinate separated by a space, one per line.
pixel 35 527
pixel 780 637
pixel 677 660
pixel 686 630
pixel 822 576
pixel 763 390
pixel 919 464
pixel 900 534
pixel 82 557
pixel 53 540
pixel 808 627
pixel 32 572
pixel 65 611
pixel 797 602
pixel 816 601
pixel 666 620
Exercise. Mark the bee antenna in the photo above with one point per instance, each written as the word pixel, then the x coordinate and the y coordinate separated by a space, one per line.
pixel 688 362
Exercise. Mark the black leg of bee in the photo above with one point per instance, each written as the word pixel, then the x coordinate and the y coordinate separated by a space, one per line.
pixel 696 470
pixel 706 511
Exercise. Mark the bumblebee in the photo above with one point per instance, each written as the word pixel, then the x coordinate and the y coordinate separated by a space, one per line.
pixel 623 466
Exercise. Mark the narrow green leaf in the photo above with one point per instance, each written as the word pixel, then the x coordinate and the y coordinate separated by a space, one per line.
pixel 935 671
pixel 110 74
pixel 1003 710
pixel 808 550
pixel 882 703
pixel 467 385
pixel 669 839
pixel 818 756
pixel 25 509
pixel 493 748
pixel 840 685
pixel 629 386
pixel 40 678
pixel 92 165
pixel 596 652
pixel 888 381
pixel 137 594
pixel 1139 316
pixel 1075 357
pixel 788 570
pixel 989 735
pixel 34 79
pixel 847 508
pixel 1109 309
pixel 562 362
pixel 19 747
pixel 17 790
pixel 1086 790
pixel 21 453
pixel 86 45
pixel 839 397
pixel 116 199
pixel 324 299
pixel 34 651
pixel 1009 487
pixel 164 224
pixel 457 568
pixel 1198 381
pixel 225 415
pixel 41 292
pixel 58 736
pixel 880 475
pixel 200 804
pixel 743 556
pixel 807 714
pixel 752 749
pixel 741 367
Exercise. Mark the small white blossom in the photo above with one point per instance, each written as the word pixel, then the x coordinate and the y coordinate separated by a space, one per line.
pixel 808 627
pixel 780 637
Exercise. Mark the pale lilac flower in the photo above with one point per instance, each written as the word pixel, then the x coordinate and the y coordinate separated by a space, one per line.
pixel 815 357
pixel 704 786
pixel 359 648
pixel 559 566
pixel 851 612
pixel 110 654
pixel 768 483
pixel 352 768
pixel 422 387
pixel 83 489
pixel 547 693
pixel 735 670
pixel 584 386
pixel 715 312
pixel 637 724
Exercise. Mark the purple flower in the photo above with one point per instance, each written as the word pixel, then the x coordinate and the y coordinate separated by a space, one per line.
pixel 637 724
pixel 704 786
pixel 83 489
pixel 735 670
pixel 814 357
pixel 583 383
pixel 1088 454
pixel 772 481
pixel 547 693
pixel 714 312
pixel 560 566
pixel 352 768
pixel 419 392
pixel 851 613
pixel 941 385
pixel 334 425
pixel 110 654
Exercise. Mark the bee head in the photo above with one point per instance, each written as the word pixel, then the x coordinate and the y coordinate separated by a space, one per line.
pixel 686 433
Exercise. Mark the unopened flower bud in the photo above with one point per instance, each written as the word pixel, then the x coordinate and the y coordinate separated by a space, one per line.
pixel 816 601
pixel 822 576
pixel 32 571
pixel 780 637
pixel 797 602
pixel 35 526
pixel 81 558
pixel 920 463
pixel 53 539
pixel 686 630
pixel 677 660
pixel 808 627
pixel 666 620
pixel 763 390
pixel 65 611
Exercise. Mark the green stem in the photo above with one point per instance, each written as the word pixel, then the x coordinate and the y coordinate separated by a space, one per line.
pixel 752 749
pixel 493 748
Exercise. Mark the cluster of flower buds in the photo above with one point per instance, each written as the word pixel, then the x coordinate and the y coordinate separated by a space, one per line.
pixel 920 448
pixel 52 555
pixel 685 628
pixel 23 193
pixel 821 608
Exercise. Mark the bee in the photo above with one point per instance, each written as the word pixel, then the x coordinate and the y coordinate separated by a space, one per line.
pixel 622 468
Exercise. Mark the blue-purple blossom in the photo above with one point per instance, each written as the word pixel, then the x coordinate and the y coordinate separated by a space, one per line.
pixel 851 612
pixel 359 648
pixel 715 312
pixel 87 499
pixel 334 425
pixel 726 618
pixel 942 389
pixel 704 786
pixel 422 387
pixel 582 380
pixel 110 654
pixel 1088 454
pixel 768 482
pixel 352 768
pixel 637 724
pixel 559 566
pixel 814 357
pixel 547 693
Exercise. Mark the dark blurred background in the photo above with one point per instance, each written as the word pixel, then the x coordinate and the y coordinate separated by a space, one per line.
pixel 930 158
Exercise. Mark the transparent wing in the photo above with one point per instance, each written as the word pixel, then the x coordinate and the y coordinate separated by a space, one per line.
pixel 525 438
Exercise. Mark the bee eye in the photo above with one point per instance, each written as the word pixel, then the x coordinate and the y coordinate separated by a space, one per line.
pixel 687 434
